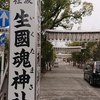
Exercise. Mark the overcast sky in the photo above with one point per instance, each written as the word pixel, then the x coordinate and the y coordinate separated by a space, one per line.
pixel 91 22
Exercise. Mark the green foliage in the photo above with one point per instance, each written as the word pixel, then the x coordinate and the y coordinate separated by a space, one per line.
pixel 6 54
pixel 60 13
pixel 77 57
pixel 6 44
pixel 75 44
pixel 90 50
pixel 5 4
pixel 96 51
pixel 47 51
pixel 85 53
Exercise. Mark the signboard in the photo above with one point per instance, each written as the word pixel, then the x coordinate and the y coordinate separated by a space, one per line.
pixel 6 30
pixel 2 38
pixel 24 51
pixel 4 18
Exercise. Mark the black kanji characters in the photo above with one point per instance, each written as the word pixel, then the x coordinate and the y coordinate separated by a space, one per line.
pixel 22 38
pixel 22 19
pixel 17 1
pixel 23 96
pixel 23 56
pixel 27 2
pixel 21 79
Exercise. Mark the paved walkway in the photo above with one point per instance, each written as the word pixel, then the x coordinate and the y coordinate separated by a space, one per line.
pixel 67 83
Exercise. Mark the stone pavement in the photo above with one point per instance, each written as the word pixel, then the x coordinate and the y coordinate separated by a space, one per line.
pixel 67 83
